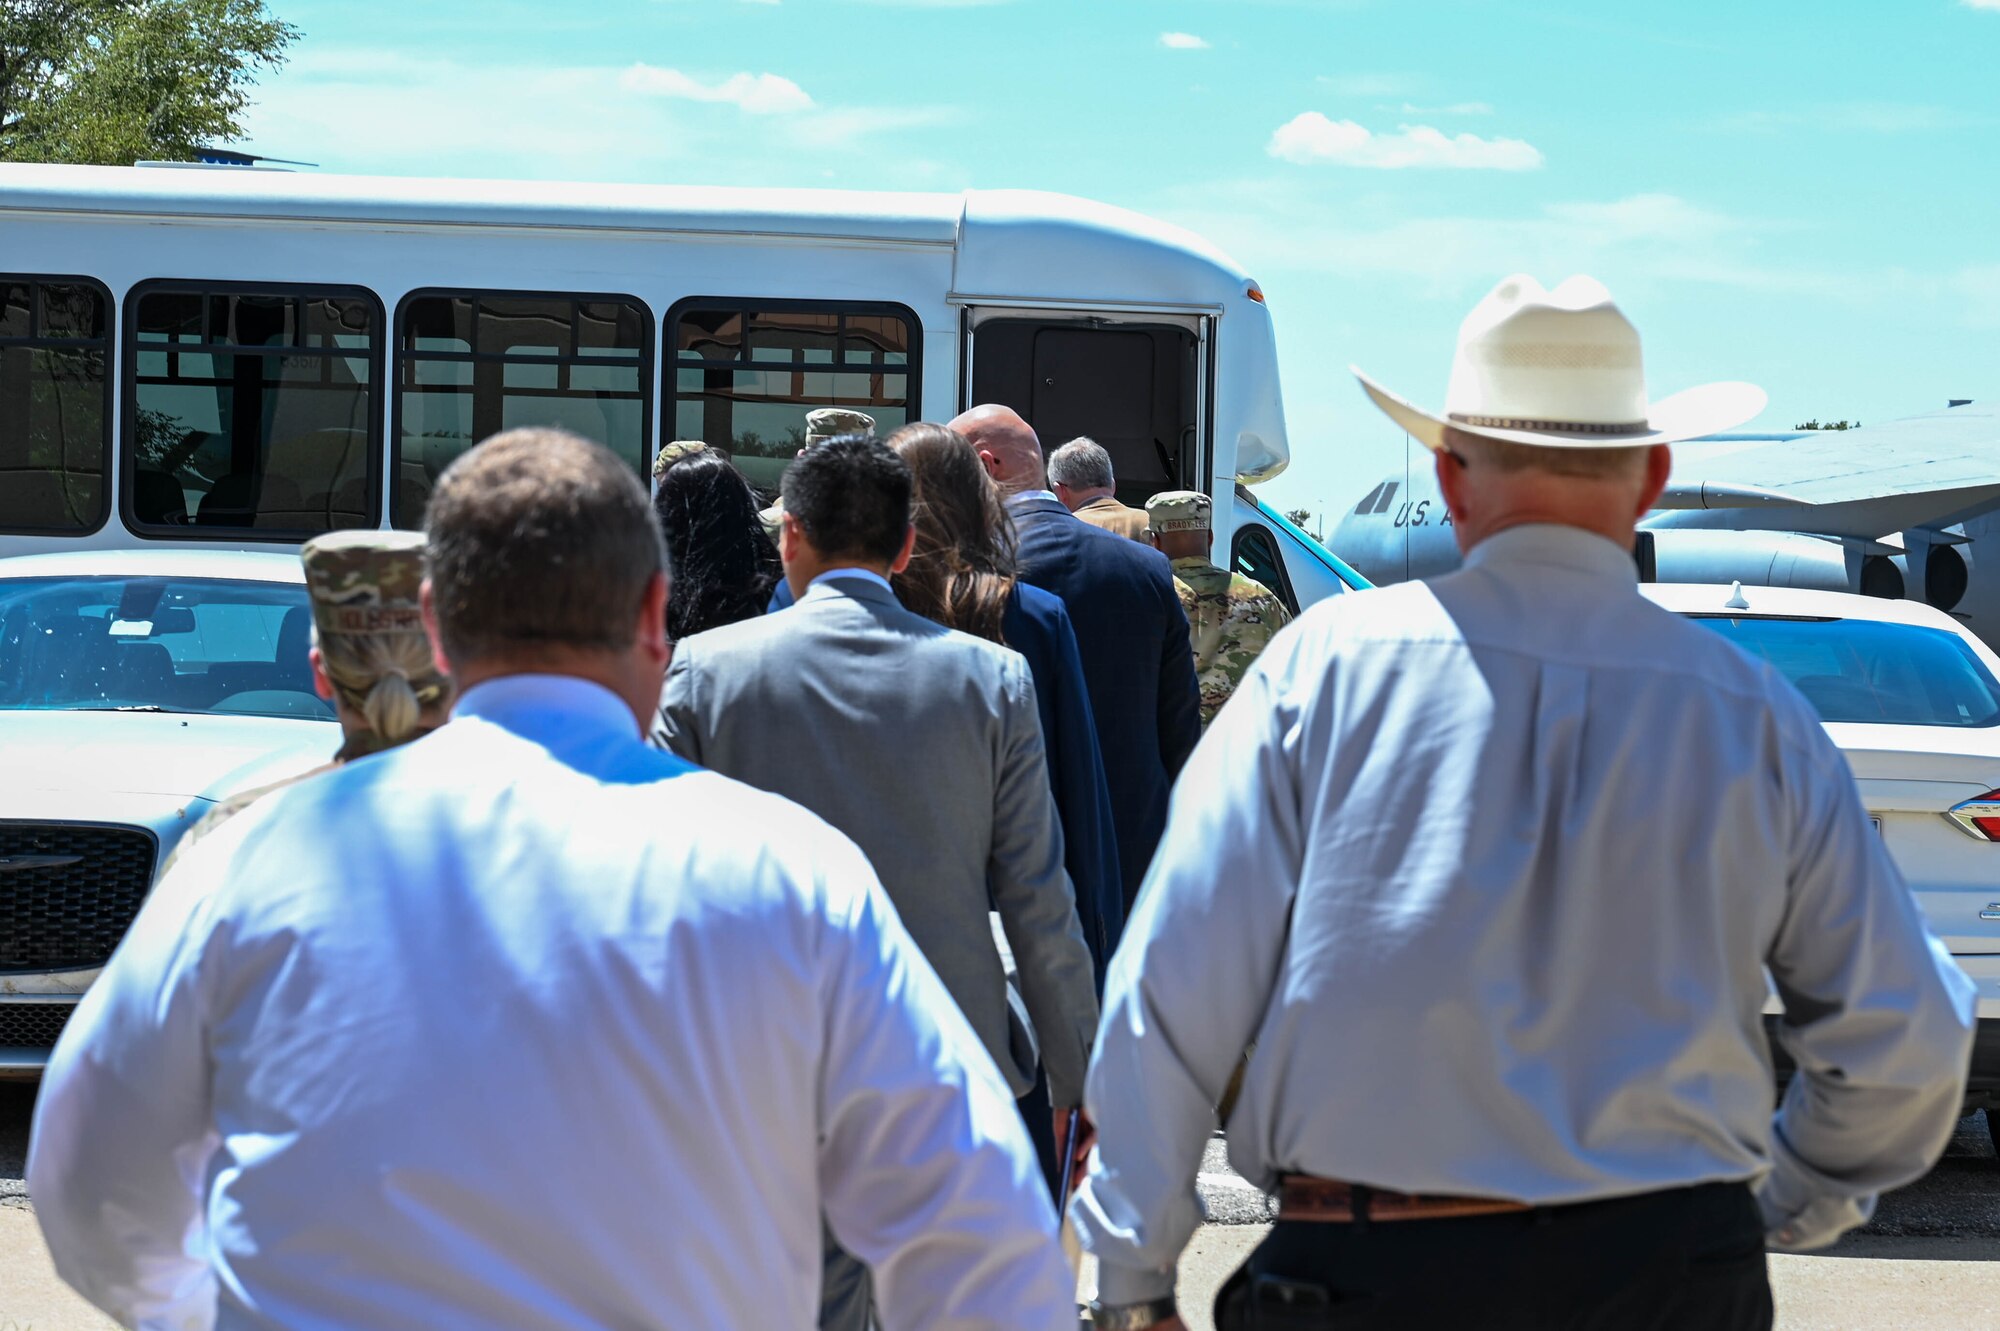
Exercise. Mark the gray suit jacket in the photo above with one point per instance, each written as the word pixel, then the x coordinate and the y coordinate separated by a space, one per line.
pixel 924 746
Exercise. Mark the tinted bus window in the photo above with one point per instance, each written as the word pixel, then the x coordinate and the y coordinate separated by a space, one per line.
pixel 471 364
pixel 55 420
pixel 745 373
pixel 251 409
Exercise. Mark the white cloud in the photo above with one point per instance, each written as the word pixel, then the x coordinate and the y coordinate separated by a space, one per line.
pixel 1182 41
pixel 757 94
pixel 1455 109
pixel 1312 138
pixel 1981 4
pixel 1635 243
pixel 497 120
pixel 847 126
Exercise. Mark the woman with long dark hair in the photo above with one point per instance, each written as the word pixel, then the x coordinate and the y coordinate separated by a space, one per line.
pixel 724 566
pixel 962 574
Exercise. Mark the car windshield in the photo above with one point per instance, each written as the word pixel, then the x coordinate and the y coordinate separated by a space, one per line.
pixel 1870 671
pixel 156 644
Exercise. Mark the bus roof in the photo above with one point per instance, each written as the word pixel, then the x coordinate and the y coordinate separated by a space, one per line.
pixel 230 193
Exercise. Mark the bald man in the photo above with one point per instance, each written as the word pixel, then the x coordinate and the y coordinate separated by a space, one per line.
pixel 1130 629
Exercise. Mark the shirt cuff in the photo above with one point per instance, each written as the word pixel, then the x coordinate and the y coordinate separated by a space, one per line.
pixel 1119 1285
pixel 1800 1212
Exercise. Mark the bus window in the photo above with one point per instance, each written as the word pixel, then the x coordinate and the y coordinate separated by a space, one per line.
pixel 251 408
pixel 1254 554
pixel 745 373
pixel 55 418
pixel 473 363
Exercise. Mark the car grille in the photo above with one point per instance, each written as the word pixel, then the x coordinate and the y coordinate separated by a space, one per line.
pixel 36 1025
pixel 68 891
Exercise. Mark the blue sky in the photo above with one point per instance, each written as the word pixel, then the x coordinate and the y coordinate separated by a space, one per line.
pixel 1802 195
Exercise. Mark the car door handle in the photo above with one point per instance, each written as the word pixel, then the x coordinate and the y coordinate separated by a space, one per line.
pixel 1992 912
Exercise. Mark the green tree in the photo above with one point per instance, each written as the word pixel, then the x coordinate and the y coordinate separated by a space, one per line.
pixel 113 82
pixel 1298 517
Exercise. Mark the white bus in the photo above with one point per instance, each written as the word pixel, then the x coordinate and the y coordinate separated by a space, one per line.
pixel 223 357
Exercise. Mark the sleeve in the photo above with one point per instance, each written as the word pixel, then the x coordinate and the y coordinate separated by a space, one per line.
pixel 1034 898
pixel 1180 693
pixel 1189 988
pixel 679 726
pixel 124 1127
pixel 925 1170
pixel 1877 1015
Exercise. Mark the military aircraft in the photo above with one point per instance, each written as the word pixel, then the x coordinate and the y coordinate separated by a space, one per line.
pixel 1891 510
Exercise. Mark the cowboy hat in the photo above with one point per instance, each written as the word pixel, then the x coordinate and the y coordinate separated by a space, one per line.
pixel 1561 369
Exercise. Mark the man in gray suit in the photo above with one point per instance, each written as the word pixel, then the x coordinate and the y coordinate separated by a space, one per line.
pixel 922 744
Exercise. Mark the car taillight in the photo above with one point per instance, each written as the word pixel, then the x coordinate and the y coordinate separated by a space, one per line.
pixel 1978 817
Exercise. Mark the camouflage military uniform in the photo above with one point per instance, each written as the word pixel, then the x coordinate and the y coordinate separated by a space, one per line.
pixel 1230 621
pixel 361 583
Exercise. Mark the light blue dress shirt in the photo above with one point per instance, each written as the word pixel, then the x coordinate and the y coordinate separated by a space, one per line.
pixel 527 1024
pixel 1491 868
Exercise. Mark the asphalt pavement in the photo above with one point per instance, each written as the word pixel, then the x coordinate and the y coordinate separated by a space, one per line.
pixel 1929 1261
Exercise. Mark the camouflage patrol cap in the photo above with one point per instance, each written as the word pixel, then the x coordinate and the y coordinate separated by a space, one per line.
pixel 679 450
pixel 1179 510
pixel 832 422
pixel 365 582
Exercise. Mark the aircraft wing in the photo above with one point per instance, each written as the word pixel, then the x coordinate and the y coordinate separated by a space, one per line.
pixel 1925 471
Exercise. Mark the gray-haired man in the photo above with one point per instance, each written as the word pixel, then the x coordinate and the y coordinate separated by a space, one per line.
pixel 1493 868
pixel 1080 474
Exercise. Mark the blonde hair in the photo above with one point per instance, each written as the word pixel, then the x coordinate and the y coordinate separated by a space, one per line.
pixel 381 676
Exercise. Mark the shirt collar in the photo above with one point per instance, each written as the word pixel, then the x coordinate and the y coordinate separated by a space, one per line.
pixel 1549 543
pixel 860 574
pixel 544 706
pixel 1029 496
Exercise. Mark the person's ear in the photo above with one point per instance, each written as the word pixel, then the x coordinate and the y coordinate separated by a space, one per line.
pixel 652 638
pixel 427 600
pixel 1451 483
pixel 991 461
pixel 1659 466
pixel 791 536
pixel 909 548
pixel 321 684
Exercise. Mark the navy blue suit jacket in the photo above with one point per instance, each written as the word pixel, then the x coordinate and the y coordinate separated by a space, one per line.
pixel 1137 661
pixel 1038 627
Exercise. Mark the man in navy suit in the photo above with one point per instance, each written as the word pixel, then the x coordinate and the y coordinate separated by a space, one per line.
pixel 1129 625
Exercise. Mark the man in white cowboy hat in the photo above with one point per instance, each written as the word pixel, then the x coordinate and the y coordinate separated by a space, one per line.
pixel 1491 869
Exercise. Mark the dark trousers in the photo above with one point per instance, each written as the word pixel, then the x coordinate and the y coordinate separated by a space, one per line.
pixel 1691 1259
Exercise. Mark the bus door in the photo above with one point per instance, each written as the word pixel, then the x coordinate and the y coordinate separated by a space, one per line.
pixel 1136 383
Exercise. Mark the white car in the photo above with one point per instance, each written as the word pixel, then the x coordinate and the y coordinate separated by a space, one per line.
pixel 137 689
pixel 1913 699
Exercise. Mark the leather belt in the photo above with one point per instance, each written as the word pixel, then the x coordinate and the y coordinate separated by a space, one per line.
pixel 1303 1197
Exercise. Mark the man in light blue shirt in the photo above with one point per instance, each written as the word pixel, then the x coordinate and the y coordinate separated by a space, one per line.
pixel 1491 870
pixel 308 1088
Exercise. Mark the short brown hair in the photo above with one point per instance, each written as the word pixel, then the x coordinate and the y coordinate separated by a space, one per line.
pixel 539 538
